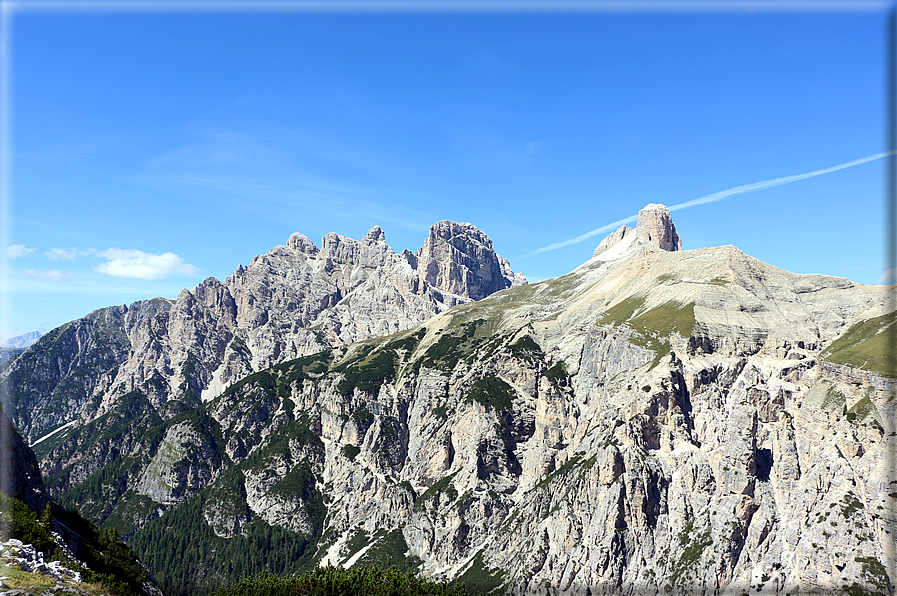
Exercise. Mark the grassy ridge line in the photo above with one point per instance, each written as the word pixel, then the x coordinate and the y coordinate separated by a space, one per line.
pixel 867 345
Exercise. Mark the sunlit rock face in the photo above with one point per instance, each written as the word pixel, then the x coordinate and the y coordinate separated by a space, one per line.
pixel 654 226
pixel 294 300
pixel 655 421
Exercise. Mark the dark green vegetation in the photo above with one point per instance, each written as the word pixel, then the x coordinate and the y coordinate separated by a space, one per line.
pixel 21 523
pixel 390 550
pixel 683 572
pixel 493 393
pixel 182 549
pixel 480 579
pixel 280 380
pixel 103 439
pixel 336 581
pixel 109 561
pixel 406 344
pixel 864 410
pixel 875 574
pixel 557 373
pixel 526 349
pixel 442 486
pixel 358 541
pixel 576 463
pixel 188 558
pixel 179 544
pixel 445 354
pixel 868 345
pixel 368 374
pixel 351 451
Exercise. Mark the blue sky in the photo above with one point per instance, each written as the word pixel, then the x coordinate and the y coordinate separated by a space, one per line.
pixel 150 150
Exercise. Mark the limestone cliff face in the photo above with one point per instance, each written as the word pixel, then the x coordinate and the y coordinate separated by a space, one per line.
pixel 460 258
pixel 294 300
pixel 657 420
pixel 655 225
pixel 654 421
pixel 613 239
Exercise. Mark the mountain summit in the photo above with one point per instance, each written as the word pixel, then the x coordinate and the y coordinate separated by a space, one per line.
pixel 654 226
pixel 294 300
pixel 656 421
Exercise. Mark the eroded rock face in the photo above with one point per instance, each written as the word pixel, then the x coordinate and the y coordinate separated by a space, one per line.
pixel 665 418
pixel 655 225
pixel 613 239
pixel 459 258
pixel 185 461
pixel 294 300
pixel 54 381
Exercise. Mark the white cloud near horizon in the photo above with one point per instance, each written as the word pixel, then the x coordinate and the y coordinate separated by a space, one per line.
pixel 717 196
pixel 141 265
pixel 48 274
pixel 68 254
pixel 15 251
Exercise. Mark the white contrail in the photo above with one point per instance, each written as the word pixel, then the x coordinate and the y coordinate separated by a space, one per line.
pixel 586 236
pixel 717 196
pixel 775 182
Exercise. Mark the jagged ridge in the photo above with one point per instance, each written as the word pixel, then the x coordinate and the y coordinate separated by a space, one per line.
pixel 655 418
pixel 294 300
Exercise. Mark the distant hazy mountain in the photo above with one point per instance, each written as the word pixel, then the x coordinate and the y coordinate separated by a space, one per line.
pixel 21 341
pixel 14 346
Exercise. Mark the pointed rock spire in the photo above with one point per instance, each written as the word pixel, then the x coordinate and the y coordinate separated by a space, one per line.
pixel 654 225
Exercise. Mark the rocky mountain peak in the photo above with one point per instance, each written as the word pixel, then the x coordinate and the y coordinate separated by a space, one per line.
pixel 459 258
pixel 654 226
pixel 375 234
pixel 301 243
pixel 294 300
pixel 613 239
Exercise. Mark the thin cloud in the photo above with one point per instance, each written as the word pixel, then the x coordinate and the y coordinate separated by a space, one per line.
pixel 142 265
pixel 15 251
pixel 586 236
pixel 48 274
pixel 889 277
pixel 68 254
pixel 717 196
pixel 753 187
